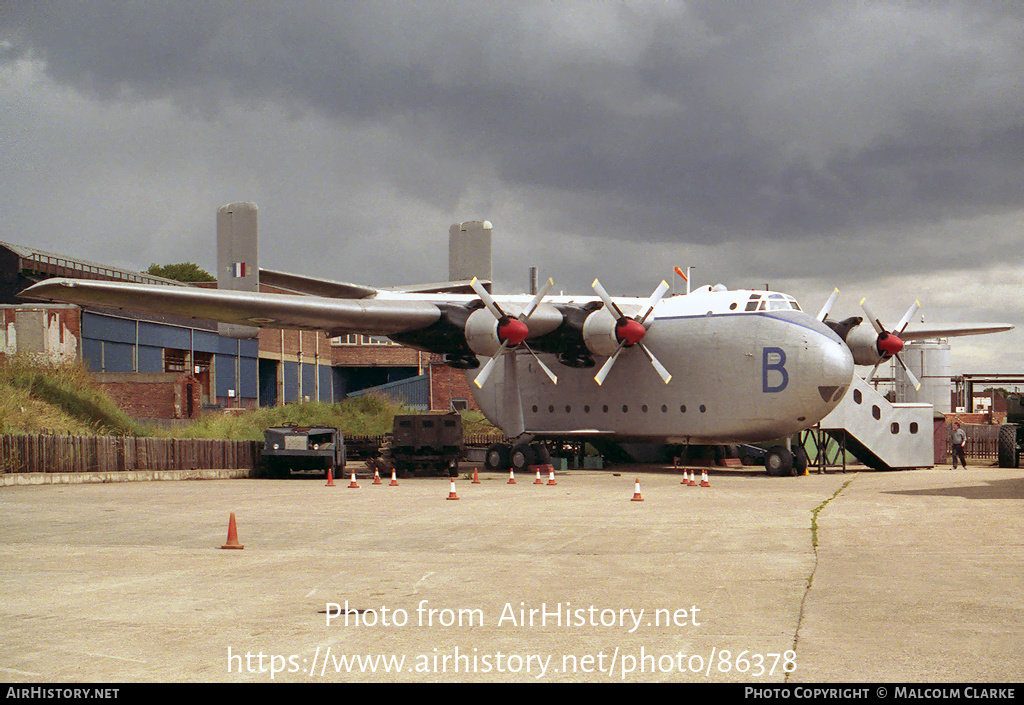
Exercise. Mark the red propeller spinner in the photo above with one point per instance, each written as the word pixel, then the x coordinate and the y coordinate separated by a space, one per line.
pixel 889 344
pixel 513 331
pixel 630 331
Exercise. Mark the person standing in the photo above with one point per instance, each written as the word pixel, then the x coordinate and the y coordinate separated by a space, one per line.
pixel 959 442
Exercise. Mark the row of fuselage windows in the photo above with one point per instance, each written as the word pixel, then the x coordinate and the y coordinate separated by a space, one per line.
pixel 604 409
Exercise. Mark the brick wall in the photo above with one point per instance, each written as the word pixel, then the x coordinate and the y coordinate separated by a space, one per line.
pixel 50 331
pixel 447 383
pixel 153 396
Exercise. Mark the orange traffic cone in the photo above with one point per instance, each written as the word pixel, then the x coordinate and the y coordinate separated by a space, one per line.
pixel 232 534
pixel 451 492
pixel 636 492
pixel 394 479
pixel 476 477
pixel 376 477
pixel 538 481
pixel 704 479
pixel 330 477
pixel 353 485
pixel 551 476
pixel 511 477
pixel 692 482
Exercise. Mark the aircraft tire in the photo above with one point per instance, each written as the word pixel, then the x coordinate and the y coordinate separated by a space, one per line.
pixel 541 454
pixel 497 457
pixel 800 461
pixel 1008 457
pixel 522 457
pixel 779 462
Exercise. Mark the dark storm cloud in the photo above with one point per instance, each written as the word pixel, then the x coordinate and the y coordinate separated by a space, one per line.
pixel 650 109
pixel 640 121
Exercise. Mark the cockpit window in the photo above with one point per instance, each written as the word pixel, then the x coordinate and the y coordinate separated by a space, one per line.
pixel 772 302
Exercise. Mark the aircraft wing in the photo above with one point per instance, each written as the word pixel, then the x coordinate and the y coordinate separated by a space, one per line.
pixel 314 286
pixel 953 330
pixel 335 316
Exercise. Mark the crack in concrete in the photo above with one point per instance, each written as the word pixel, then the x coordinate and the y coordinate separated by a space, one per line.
pixel 814 569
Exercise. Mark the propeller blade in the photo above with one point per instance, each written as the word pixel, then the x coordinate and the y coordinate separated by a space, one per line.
pixel 827 308
pixel 902 325
pixel 607 366
pixel 871 317
pixel 871 374
pixel 910 375
pixel 486 371
pixel 625 330
pixel 528 311
pixel 653 301
pixel 548 372
pixel 486 297
pixel 665 376
pixel 609 304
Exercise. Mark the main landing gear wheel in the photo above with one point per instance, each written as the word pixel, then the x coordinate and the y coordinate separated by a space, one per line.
pixel 523 456
pixel 541 454
pixel 518 457
pixel 497 457
pixel 779 462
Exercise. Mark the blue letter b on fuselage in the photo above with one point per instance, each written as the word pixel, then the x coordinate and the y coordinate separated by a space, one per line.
pixel 774 361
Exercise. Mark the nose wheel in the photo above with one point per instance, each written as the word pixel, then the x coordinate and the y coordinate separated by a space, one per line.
pixel 779 462
pixel 783 462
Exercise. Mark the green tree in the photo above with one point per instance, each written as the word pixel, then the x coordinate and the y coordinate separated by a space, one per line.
pixel 182 272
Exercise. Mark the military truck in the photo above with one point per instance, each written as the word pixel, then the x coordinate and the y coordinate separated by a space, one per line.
pixel 310 450
pixel 425 442
pixel 1011 434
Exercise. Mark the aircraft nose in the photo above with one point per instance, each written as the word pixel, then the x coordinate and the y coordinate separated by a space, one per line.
pixel 836 368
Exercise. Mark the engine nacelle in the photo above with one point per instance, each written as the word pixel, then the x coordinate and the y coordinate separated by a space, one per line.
pixel 599 333
pixel 482 333
pixel 863 343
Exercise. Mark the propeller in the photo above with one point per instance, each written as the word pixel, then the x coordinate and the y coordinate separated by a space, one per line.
pixel 827 308
pixel 511 331
pixel 630 331
pixel 889 344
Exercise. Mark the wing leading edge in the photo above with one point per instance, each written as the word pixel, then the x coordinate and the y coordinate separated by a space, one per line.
pixel 955 330
pixel 334 316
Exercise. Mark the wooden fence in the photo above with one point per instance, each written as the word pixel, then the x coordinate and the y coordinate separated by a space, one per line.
pixel 982 440
pixel 70 454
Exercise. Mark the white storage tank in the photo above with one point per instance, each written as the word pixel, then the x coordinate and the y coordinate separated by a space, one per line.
pixel 929 360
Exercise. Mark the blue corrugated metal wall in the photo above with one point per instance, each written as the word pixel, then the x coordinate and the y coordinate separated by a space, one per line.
pixel 413 392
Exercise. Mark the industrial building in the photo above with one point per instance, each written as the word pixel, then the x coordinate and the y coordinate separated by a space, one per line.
pixel 158 366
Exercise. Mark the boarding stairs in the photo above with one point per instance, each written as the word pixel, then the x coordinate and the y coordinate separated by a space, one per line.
pixel 880 434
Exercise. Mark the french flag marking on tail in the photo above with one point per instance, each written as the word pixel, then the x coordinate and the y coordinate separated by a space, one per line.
pixel 239 269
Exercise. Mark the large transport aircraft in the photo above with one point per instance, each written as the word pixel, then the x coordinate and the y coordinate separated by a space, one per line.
pixel 711 367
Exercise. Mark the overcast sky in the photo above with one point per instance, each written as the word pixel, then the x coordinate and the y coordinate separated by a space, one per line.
pixel 877 147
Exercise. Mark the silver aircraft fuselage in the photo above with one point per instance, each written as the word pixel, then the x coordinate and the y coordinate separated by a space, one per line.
pixel 746 366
